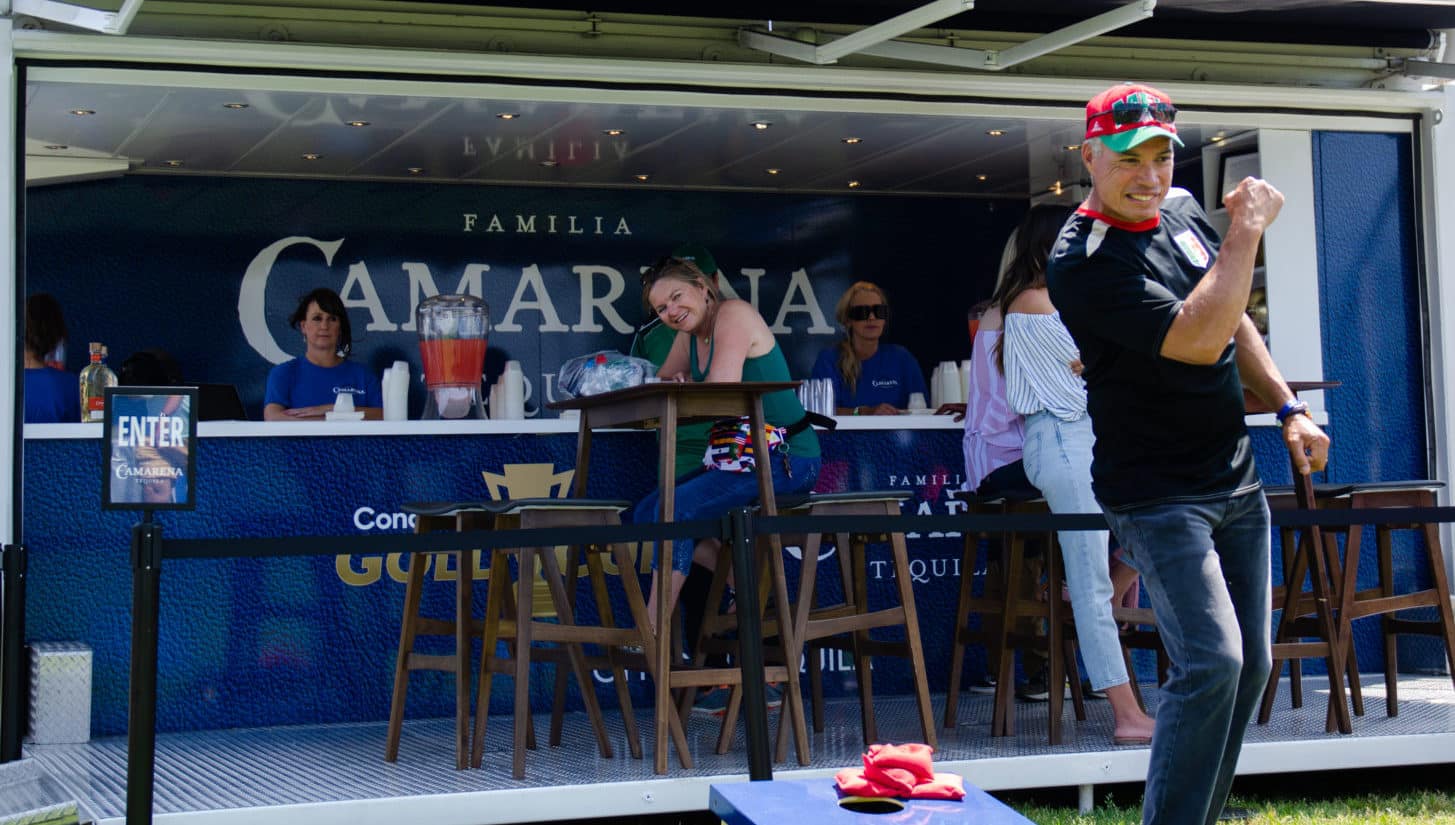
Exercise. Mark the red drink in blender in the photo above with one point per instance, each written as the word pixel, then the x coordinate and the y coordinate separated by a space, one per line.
pixel 452 362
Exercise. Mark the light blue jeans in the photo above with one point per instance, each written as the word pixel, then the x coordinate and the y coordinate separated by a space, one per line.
pixel 1205 565
pixel 1058 461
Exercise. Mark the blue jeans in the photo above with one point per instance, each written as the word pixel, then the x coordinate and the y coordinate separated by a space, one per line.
pixel 1205 565
pixel 711 493
pixel 1057 455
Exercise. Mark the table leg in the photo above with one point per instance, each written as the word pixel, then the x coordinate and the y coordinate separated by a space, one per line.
pixel 662 678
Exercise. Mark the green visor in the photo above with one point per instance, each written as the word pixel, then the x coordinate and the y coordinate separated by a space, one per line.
pixel 1124 141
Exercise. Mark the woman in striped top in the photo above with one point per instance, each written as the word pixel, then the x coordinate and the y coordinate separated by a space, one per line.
pixel 1043 383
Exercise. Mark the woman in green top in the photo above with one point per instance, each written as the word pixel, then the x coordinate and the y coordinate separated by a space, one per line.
pixel 720 340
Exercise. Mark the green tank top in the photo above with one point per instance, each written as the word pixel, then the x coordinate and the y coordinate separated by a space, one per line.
pixel 781 408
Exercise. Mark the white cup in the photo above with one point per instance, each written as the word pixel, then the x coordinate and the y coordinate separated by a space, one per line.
pixel 344 402
pixel 917 401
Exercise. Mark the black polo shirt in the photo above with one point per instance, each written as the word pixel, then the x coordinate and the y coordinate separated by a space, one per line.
pixel 1166 431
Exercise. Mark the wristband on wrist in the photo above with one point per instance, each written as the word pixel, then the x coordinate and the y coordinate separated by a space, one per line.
pixel 1294 407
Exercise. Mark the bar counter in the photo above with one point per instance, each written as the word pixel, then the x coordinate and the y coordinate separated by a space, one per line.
pixel 270 641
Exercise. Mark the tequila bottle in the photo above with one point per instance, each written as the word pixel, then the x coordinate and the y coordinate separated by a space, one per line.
pixel 95 378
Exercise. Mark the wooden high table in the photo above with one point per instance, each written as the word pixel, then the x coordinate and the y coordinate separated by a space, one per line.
pixel 662 406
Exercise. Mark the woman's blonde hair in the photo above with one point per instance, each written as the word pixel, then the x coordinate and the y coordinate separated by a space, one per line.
pixel 848 361
pixel 676 269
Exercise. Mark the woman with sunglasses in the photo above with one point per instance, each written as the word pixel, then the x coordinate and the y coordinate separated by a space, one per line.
pixel 721 340
pixel 870 377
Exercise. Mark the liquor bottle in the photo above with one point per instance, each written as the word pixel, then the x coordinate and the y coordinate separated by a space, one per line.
pixel 95 378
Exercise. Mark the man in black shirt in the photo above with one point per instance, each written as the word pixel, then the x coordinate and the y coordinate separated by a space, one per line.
pixel 1154 301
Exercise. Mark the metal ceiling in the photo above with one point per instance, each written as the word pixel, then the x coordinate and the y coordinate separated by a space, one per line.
pixel 222 131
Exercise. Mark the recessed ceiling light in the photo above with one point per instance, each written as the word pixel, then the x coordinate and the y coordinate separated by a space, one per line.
pixel 312 156
pixel 83 112
pixel 548 163
pixel 1072 147
pixel 358 123
pixel 415 170
pixel 995 132
pixel 853 184
pixel 234 105
pixel 613 132
pixel 853 140
pixel 760 125
pixel 508 115
pixel 56 147
pixel 172 163
pixel 772 170
pixel 982 177
pixel 642 178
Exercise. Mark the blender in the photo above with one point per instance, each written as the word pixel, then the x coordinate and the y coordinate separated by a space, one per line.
pixel 452 334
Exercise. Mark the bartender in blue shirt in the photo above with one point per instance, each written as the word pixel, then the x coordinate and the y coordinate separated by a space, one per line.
pixel 52 395
pixel 870 377
pixel 305 389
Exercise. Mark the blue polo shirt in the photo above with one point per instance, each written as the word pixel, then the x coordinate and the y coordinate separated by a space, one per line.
pixel 889 376
pixel 302 383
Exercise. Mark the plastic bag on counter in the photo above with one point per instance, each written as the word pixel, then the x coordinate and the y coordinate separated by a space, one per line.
pixel 603 371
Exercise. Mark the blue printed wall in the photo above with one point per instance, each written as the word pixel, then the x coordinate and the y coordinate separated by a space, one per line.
pixel 277 641
pixel 210 269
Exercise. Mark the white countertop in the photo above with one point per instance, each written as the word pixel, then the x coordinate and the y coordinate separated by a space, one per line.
pixel 539 426
pixel 261 429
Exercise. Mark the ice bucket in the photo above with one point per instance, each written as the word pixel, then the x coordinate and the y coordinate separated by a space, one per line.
pixel 452 335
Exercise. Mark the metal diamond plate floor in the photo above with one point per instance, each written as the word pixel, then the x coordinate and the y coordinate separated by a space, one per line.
pixel 336 773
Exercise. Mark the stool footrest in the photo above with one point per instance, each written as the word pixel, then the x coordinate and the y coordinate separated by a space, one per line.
pixel 818 628
pixel 428 661
pixel 714 676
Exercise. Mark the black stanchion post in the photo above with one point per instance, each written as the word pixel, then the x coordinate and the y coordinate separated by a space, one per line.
pixel 141 729
pixel 750 643
pixel 12 653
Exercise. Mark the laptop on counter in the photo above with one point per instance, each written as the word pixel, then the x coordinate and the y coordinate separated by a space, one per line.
pixel 219 402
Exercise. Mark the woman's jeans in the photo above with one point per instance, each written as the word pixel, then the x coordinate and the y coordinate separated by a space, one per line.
pixel 1205 565
pixel 711 493
pixel 1058 461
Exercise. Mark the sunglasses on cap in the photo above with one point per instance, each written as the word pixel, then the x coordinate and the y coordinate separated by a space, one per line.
pixel 1125 112
pixel 656 270
pixel 862 313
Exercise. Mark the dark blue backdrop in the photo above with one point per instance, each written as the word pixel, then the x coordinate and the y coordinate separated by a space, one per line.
pixel 145 262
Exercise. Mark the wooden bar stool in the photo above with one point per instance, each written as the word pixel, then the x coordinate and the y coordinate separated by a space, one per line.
pixel 526 628
pixel 1382 600
pixel 431 517
pixel 717 634
pixel 845 625
pixel 1307 626
pixel 1002 608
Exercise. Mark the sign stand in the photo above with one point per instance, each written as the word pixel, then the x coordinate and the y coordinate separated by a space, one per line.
pixel 150 437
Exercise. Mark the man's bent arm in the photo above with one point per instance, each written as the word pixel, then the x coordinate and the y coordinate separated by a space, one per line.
pixel 1210 314
pixel 1307 444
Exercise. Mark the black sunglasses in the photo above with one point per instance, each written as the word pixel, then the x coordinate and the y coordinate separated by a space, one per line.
pixel 862 312
pixel 1125 113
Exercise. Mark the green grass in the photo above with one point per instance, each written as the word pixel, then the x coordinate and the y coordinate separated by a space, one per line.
pixel 1396 795
pixel 1405 808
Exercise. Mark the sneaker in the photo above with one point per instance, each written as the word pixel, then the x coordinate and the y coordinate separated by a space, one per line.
pixel 1089 692
pixel 773 694
pixel 984 684
pixel 1033 689
pixel 714 702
